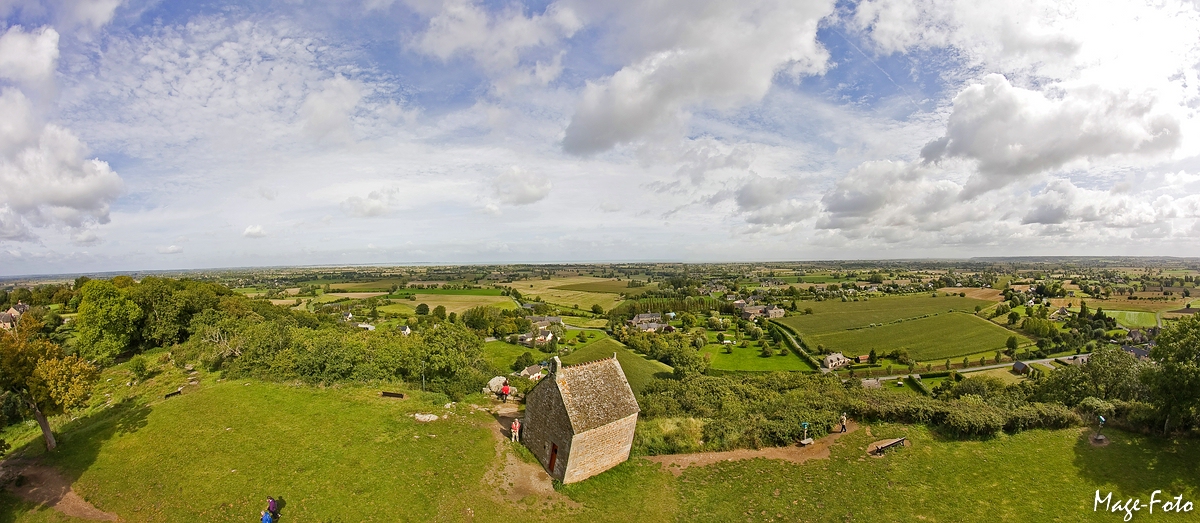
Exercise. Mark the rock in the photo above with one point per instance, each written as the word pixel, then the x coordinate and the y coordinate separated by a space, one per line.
pixel 189 367
pixel 424 418
pixel 494 385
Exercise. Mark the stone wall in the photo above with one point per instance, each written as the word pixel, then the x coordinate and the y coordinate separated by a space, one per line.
pixel 599 449
pixel 546 423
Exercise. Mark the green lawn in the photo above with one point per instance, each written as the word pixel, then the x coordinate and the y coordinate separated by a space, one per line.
pixel 946 335
pixel 345 454
pixel 750 358
pixel 1133 319
pixel 836 315
pixel 639 370
pixel 576 321
pixel 502 354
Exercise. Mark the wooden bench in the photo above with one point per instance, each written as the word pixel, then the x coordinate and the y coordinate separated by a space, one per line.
pixel 898 442
pixel 176 393
pixel 387 394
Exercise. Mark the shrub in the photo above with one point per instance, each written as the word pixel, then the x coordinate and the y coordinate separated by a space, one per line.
pixel 139 368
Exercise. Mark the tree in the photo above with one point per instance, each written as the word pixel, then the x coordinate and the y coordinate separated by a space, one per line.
pixel 720 337
pixel 1174 382
pixel 872 357
pixel 42 376
pixel 597 309
pixel 106 323
pixel 422 309
pixel 1013 318
pixel 439 312
pixel 443 351
pixel 1011 345
pixel 523 361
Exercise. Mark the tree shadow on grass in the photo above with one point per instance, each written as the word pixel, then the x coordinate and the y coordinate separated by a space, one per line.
pixel 1137 464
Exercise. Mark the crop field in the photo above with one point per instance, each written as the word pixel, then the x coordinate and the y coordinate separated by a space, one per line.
pixel 1124 304
pixel 608 286
pixel 639 369
pixel 946 335
pixel 452 303
pixel 751 359
pixel 1006 375
pixel 1133 319
pixel 834 315
pixel 550 292
pixel 978 293
pixel 450 292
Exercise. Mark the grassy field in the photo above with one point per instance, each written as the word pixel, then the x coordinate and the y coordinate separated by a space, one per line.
pixel 639 370
pixel 1133 319
pixel 608 286
pixel 749 358
pixel 1004 374
pixel 502 354
pixel 451 292
pixel 835 315
pixel 946 335
pixel 551 292
pixel 575 321
pixel 452 303
pixel 345 454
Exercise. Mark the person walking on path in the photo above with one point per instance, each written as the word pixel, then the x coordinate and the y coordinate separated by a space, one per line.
pixel 516 430
pixel 843 422
pixel 504 392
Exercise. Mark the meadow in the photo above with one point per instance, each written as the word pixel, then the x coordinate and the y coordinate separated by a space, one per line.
pixel 1133 319
pixel 608 286
pixel 452 303
pixel 345 454
pixel 945 335
pixel 551 291
pixel 639 369
pixel 835 315
pixel 751 359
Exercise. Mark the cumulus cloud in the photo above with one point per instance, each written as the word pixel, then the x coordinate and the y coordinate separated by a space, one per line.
pixel 327 113
pixel 1012 132
pixel 497 42
pixel 518 187
pixel 170 249
pixel 85 237
pixel 45 176
pixel 714 53
pixel 376 204
pixel 254 231
pixel 28 57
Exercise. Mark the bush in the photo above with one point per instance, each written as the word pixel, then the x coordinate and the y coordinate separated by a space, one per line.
pixel 137 366
pixel 1041 416
pixel 970 416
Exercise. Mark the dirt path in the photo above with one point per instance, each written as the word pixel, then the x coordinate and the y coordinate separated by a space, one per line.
pixel 516 479
pixel 46 486
pixel 675 463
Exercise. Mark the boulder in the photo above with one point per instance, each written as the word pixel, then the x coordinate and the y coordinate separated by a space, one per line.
pixel 494 384
pixel 425 418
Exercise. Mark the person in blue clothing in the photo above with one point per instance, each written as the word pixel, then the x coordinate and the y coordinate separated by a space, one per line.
pixel 266 517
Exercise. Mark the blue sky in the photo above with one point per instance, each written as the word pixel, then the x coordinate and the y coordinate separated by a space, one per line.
pixel 158 135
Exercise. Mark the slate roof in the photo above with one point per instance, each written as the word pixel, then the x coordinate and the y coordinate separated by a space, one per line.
pixel 595 393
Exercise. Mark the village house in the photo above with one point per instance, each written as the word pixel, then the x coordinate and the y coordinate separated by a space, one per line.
pixel 1141 353
pixel 533 372
pixel 835 361
pixel 366 326
pixel 17 310
pixel 545 321
pixel 1061 314
pixel 1021 367
pixel 405 330
pixel 7 322
pixel 580 420
pixel 862 358
pixel 652 317
pixel 543 335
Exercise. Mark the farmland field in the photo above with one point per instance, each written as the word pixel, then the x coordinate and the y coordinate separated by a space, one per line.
pixel 608 286
pixel 1133 319
pixel 575 321
pixel 452 303
pixel 833 315
pixel 750 359
pixel 502 354
pixel 550 292
pixel 639 370
pixel 453 292
pixel 946 335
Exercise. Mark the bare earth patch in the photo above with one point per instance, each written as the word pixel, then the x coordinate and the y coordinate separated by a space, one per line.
pixel 47 487
pixel 675 463
pixel 517 480
pixel 977 293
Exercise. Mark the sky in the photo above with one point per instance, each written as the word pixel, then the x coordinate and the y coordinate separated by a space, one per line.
pixel 143 135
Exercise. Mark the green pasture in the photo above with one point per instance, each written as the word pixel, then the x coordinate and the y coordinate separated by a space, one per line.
pixel 608 286
pixel 403 293
pixel 575 321
pixel 1133 319
pixel 502 354
pixel 639 369
pixel 835 315
pixel 751 359
pixel 345 454
pixel 946 335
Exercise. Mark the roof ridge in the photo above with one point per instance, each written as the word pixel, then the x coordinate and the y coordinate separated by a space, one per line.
pixel 586 363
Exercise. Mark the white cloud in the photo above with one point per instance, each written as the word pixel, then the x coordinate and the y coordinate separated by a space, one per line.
pixel 376 204
pixel 327 113
pixel 45 177
pixel 716 53
pixel 91 14
pixel 170 249
pixel 518 187
pixel 85 237
pixel 497 42
pixel 29 57
pixel 254 231
pixel 1012 132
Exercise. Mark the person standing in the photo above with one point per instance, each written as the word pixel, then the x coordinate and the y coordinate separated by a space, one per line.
pixel 843 422
pixel 504 391
pixel 272 507
pixel 515 433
